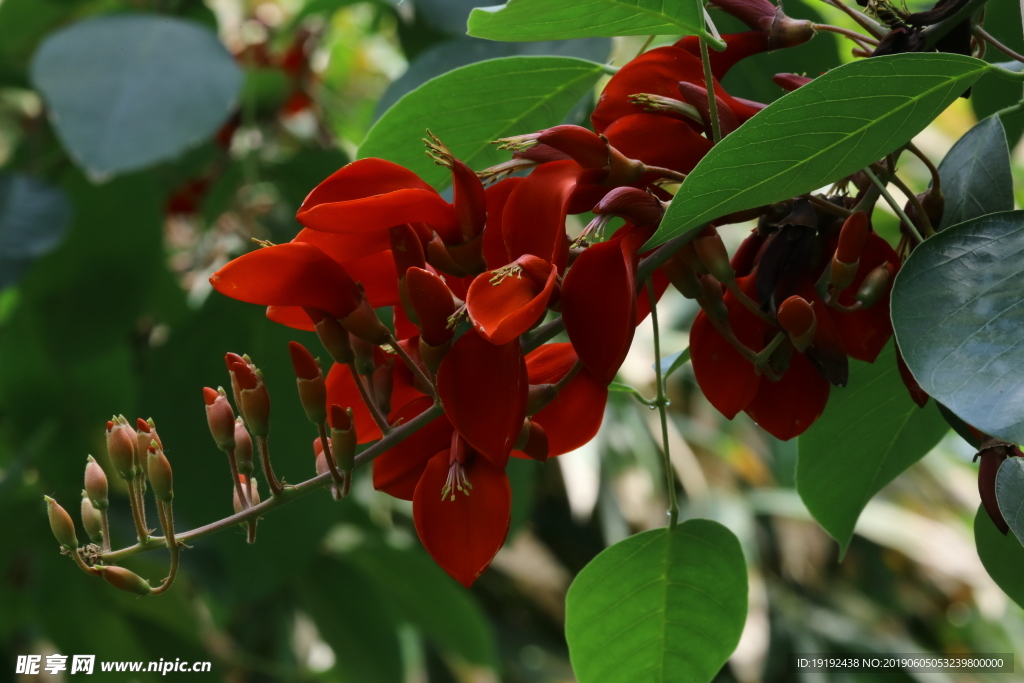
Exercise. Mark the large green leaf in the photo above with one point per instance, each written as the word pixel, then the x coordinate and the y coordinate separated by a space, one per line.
pixel 826 130
pixel 1002 556
pixel 555 19
pixel 127 91
pixel 425 596
pixel 870 432
pixel 33 219
pixel 975 174
pixel 665 606
pixel 956 309
pixel 1010 494
pixel 468 107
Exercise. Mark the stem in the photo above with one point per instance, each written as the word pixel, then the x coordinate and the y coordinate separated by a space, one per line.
pixel 137 500
pixel 167 522
pixel 647 44
pixel 828 206
pixel 665 172
pixel 573 371
pixel 860 38
pixel 268 470
pixel 892 203
pixel 368 401
pixel 332 465
pixel 662 403
pixel 92 571
pixel 936 180
pixel 866 22
pixel 396 436
pixel 709 83
pixel 414 367
pixel 106 530
pixel 749 303
pixel 243 499
pixel 987 37
pixel 926 222
pixel 937 32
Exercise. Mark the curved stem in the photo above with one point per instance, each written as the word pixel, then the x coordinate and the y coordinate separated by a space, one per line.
pixel 287 495
pixel 859 38
pixel 828 206
pixel 647 44
pixel 106 530
pixel 243 499
pixel 749 303
pixel 926 222
pixel 167 522
pixel 662 403
pixel 665 172
pixel 137 501
pixel 332 464
pixel 415 368
pixel 866 22
pixel 987 37
pixel 268 470
pixel 709 84
pixel 936 179
pixel 891 201
pixel 368 401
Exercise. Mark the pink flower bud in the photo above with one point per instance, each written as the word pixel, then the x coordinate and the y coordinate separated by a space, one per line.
pixel 122 443
pixel 60 524
pixel 220 418
pixel 125 580
pixel 96 484
pixel 92 520
pixel 310 382
pixel 243 448
pixel 160 476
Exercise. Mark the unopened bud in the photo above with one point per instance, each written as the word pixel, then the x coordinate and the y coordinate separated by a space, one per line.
pixel 121 445
pixel 145 433
pixel 852 237
pixel 96 484
pixel 711 251
pixel 365 362
pixel 310 382
pixel 60 524
pixel 254 494
pixel 876 285
pixel 364 323
pixel 333 336
pixel 219 417
pixel 682 277
pixel 243 448
pixel 711 300
pixel 323 468
pixel 231 360
pixel 92 520
pixel 796 317
pixel 125 580
pixel 343 438
pixel 254 398
pixel 160 476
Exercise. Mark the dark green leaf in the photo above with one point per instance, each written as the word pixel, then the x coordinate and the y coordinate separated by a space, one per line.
pixel 659 606
pixel 870 432
pixel 470 106
pixel 429 599
pixel 975 174
pixel 127 91
pixel 820 133
pixel 554 19
pixel 1010 494
pixel 33 219
pixel 1002 556
pixel 452 54
pixel 991 93
pixel 352 618
pixel 957 315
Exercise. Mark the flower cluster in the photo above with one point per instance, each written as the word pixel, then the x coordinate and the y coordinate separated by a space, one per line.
pixel 467 280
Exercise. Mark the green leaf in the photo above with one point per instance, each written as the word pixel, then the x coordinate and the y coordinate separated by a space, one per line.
pixel 665 606
pixel 1010 494
pixel 670 364
pixel 127 91
pixel 957 315
pixel 870 432
pixel 555 19
pixel 1002 556
pixel 33 219
pixel 820 133
pixel 975 174
pixel 991 93
pixel 468 107
pixel 425 596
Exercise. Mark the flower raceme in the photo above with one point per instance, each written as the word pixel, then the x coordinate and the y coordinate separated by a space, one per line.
pixel 421 302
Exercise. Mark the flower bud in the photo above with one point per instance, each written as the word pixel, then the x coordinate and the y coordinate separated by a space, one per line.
pixel 343 438
pixel 243 448
pixel 232 359
pixel 333 336
pixel 159 472
pixel 434 305
pixel 125 580
pixel 60 524
pixel 310 381
pixel 364 323
pixel 254 399
pixel 852 237
pixel 121 445
pixel 796 317
pixel 682 277
pixel 145 433
pixel 711 252
pixel 96 484
pixel 365 362
pixel 711 300
pixel 323 468
pixel 92 520
pixel 219 417
pixel 876 285
pixel 254 494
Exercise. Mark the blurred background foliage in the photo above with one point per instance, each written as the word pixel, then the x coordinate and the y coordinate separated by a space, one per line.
pixel 105 308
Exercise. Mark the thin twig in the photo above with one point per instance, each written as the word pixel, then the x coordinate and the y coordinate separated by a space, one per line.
pixel 709 84
pixel 662 403
pixel 828 206
pixel 859 38
pixel 926 222
pixel 268 470
pixel 369 401
pixel 991 40
pixel 936 179
pixel 893 203
pixel 866 22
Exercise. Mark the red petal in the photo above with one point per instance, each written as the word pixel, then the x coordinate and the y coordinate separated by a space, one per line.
pixel 788 407
pixel 599 307
pixel 865 332
pixel 433 303
pixel 739 46
pixel 727 378
pixel 658 141
pixel 495 253
pixel 342 391
pixel 583 146
pixel 574 416
pixel 363 178
pixel 504 310
pixel 374 215
pixel 534 218
pixel 483 388
pixel 463 535
pixel 293 274
pixel 398 470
